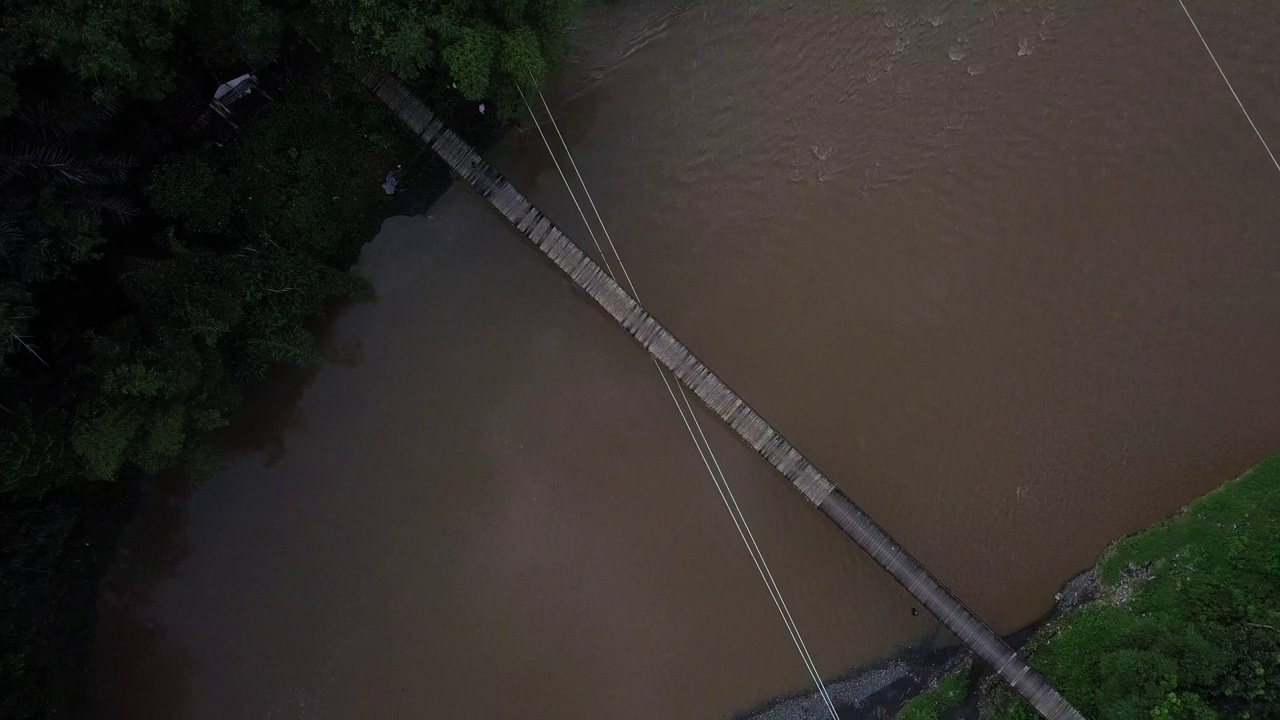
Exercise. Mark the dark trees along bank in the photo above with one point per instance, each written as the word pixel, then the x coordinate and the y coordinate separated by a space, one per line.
pixel 183 187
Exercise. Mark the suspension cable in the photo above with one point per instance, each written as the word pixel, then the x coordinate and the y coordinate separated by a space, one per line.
pixel 690 420
pixel 1223 73
pixel 572 195
pixel 744 532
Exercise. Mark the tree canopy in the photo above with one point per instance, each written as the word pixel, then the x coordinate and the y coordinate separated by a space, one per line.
pixel 151 271
pixel 211 258
pixel 484 47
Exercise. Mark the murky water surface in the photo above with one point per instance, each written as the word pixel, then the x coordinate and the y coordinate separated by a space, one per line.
pixel 1007 273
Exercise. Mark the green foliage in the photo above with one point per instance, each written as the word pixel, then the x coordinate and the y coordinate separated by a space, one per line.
pixel 31 447
pixel 161 389
pixel 470 59
pixel 126 49
pixel 1199 639
pixel 256 238
pixel 196 291
pixel 306 176
pixel 189 187
pixel 521 54
pixel 243 30
pixel 52 553
pixel 136 306
pixel 102 438
pixel 261 236
pixel 949 694
pixel 9 98
pixel 15 316
pixel 486 48
pixel 54 197
pixel 229 293
pixel 115 47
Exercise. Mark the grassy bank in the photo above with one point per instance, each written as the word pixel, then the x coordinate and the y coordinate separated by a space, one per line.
pixel 948 695
pixel 1181 620
pixel 1187 624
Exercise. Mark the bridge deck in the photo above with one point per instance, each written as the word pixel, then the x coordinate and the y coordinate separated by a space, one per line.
pixel 690 371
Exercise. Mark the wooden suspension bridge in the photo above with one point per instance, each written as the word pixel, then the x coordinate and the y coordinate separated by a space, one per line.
pixel 724 402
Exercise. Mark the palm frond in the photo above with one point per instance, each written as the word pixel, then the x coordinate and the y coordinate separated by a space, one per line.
pixel 21 341
pixel 10 234
pixel 10 168
pixel 116 167
pixel 67 117
pixel 101 203
pixel 65 168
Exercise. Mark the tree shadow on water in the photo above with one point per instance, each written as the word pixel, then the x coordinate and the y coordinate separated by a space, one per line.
pixel 271 406
pixel 139 672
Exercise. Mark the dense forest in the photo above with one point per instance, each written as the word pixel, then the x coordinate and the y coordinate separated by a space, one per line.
pixel 183 188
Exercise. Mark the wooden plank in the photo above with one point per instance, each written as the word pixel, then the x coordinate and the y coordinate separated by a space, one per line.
pixel 721 400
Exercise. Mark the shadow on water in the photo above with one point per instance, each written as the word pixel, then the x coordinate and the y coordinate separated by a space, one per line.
pixel 270 405
pixel 130 643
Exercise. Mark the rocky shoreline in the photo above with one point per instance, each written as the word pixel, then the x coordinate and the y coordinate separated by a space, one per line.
pixel 881 689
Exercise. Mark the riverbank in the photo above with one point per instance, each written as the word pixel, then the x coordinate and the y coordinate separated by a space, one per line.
pixel 59 546
pixel 486 487
pixel 1178 620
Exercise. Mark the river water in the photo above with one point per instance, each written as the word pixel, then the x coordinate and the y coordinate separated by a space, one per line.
pixel 1007 272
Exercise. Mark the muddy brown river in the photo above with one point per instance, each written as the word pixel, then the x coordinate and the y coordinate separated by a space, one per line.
pixel 1007 272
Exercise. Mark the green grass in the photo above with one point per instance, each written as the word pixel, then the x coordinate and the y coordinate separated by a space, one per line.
pixel 947 695
pixel 1200 637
